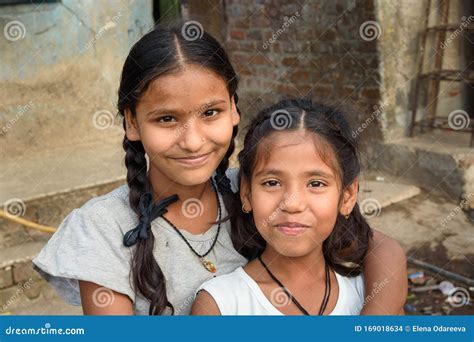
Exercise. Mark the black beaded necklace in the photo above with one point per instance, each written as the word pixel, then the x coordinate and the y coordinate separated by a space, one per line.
pixel 327 289
pixel 208 265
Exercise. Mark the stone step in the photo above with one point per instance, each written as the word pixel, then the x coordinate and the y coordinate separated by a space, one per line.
pixel 437 161
pixel 377 194
pixel 60 170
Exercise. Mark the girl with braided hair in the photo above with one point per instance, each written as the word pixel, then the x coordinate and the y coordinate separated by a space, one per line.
pixel 145 247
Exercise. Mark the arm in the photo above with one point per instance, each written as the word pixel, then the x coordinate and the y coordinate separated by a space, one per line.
pixel 98 300
pixel 205 305
pixel 385 277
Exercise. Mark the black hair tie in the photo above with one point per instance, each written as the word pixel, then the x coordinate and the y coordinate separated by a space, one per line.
pixel 149 211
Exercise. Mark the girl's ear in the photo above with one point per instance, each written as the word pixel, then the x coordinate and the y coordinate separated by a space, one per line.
pixel 131 124
pixel 245 195
pixel 235 114
pixel 349 198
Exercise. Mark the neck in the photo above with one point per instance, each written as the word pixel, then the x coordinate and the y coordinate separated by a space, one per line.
pixel 164 187
pixel 309 267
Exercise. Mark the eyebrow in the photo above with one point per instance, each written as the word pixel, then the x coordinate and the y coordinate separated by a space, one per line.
pixel 276 172
pixel 206 106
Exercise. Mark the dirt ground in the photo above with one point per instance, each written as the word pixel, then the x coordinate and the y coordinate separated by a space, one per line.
pixel 432 229
pixel 434 302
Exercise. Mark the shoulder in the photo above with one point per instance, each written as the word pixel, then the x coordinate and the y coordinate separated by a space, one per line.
pixel 351 295
pixel 109 212
pixel 88 246
pixel 204 304
pixel 224 292
pixel 354 284
pixel 94 230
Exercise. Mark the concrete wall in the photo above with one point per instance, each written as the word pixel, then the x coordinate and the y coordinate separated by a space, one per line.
pixel 401 23
pixel 61 65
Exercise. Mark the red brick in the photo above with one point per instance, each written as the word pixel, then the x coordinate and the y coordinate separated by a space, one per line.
pixel 237 34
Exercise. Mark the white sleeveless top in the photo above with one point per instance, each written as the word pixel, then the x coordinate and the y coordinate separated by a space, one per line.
pixel 237 293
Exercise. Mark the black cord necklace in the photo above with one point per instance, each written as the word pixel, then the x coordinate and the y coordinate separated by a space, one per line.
pixel 208 265
pixel 327 289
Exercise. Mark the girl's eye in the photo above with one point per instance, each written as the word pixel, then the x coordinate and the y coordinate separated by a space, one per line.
pixel 210 113
pixel 317 184
pixel 167 118
pixel 270 183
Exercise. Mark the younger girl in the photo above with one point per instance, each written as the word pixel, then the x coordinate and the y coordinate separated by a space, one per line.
pixel 145 247
pixel 298 174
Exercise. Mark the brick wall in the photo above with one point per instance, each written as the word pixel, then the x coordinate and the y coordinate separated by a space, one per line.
pixel 281 48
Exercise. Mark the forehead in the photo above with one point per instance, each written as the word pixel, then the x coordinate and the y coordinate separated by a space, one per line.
pixel 186 87
pixel 296 152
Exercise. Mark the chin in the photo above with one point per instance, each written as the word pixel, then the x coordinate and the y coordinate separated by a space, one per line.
pixel 192 178
pixel 195 176
pixel 292 251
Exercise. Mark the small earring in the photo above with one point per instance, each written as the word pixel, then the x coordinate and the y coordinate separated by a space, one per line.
pixel 347 216
pixel 243 209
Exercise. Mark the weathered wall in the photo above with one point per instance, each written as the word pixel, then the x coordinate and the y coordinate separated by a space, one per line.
pixel 61 65
pixel 401 24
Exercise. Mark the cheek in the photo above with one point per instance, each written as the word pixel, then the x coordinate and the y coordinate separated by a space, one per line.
pixel 325 210
pixel 157 141
pixel 264 207
pixel 220 132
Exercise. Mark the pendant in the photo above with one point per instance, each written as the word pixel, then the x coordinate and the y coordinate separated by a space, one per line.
pixel 208 265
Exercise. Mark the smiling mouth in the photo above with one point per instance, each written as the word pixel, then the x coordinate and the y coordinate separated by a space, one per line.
pixel 193 157
pixel 291 228
pixel 292 225
pixel 194 160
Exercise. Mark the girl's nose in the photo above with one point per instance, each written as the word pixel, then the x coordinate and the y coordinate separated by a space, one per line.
pixel 192 137
pixel 294 202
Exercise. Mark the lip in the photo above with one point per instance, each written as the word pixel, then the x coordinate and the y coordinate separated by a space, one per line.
pixel 291 228
pixel 194 160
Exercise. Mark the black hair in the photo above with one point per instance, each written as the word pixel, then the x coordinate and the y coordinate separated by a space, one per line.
pixel 347 245
pixel 166 49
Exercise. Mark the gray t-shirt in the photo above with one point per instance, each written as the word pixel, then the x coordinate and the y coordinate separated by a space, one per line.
pixel 88 246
